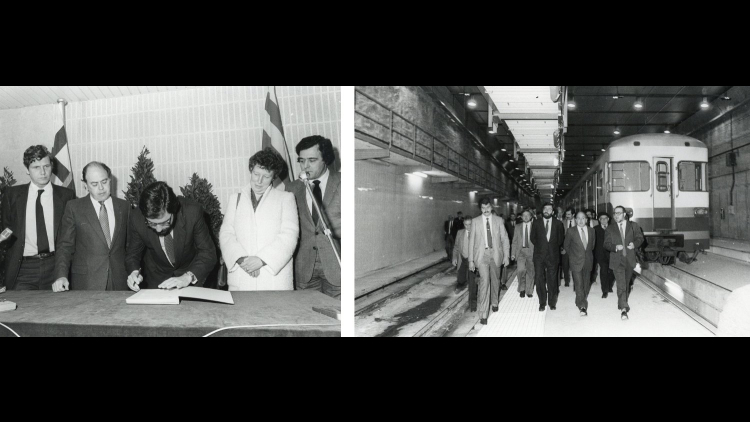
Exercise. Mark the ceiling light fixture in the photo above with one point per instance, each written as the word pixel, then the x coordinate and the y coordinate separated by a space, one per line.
pixel 726 97
pixel 704 103
pixel 667 130
pixel 471 103
pixel 638 104
pixel 617 131
pixel 571 102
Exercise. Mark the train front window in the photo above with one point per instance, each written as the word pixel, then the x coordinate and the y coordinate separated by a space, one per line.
pixel 662 176
pixel 692 176
pixel 630 176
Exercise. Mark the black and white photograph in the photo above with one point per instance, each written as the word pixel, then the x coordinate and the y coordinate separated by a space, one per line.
pixel 552 211
pixel 153 211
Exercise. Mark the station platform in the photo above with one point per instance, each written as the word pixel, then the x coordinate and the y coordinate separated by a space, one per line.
pixel 651 315
pixel 731 248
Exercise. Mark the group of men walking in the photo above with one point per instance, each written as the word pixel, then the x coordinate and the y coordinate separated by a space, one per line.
pixel 577 242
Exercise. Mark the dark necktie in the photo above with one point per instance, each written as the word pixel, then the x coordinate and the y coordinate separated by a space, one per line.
pixel 169 246
pixel 318 196
pixel 42 241
pixel 546 227
pixel 104 221
pixel 622 233
pixel 489 234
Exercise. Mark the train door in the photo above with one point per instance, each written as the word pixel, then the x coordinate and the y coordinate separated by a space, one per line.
pixel 663 194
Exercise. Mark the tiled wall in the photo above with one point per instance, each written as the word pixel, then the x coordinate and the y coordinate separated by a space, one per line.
pixel 209 130
pixel 393 224
pixel 730 130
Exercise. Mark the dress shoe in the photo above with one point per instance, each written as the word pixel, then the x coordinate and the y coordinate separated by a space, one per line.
pixel 529 295
pixel 567 285
pixel 483 321
pixel 494 309
pixel 604 296
pixel 473 309
pixel 523 294
pixel 583 312
pixel 553 308
pixel 541 308
pixel 624 315
pixel 503 287
pixel 610 290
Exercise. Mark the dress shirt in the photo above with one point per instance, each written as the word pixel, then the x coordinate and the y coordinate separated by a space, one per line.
pixel 110 213
pixel 30 247
pixel 323 183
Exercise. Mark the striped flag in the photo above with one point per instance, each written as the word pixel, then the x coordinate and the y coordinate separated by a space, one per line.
pixel 273 136
pixel 62 168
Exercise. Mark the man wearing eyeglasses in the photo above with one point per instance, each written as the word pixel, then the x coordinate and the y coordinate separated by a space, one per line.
pixel 621 240
pixel 91 245
pixel 168 240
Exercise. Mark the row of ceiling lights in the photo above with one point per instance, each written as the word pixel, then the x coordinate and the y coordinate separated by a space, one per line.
pixel 638 104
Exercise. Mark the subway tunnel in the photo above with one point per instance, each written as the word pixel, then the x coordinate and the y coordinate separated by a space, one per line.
pixel 667 165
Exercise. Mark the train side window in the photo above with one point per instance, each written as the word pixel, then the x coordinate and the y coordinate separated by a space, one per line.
pixel 662 176
pixel 692 176
pixel 630 176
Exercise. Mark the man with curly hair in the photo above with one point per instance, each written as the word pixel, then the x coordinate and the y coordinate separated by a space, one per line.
pixel 315 263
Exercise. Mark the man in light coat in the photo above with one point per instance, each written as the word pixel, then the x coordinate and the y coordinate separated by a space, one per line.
pixel 522 250
pixel 260 230
pixel 488 250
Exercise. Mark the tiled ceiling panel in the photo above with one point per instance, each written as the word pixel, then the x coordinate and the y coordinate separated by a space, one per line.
pixel 28 96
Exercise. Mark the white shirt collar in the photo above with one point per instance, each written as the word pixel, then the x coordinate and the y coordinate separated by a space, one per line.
pixel 34 188
pixel 323 177
pixel 107 202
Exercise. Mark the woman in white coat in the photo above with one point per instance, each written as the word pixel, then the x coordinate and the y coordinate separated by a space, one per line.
pixel 260 230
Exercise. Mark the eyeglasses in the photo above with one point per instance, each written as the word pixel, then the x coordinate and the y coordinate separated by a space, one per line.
pixel 164 224
pixel 618 213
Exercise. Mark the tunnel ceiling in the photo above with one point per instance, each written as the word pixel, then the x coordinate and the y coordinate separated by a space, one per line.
pixel 598 113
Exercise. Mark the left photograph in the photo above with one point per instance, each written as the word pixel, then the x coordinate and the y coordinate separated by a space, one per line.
pixel 153 211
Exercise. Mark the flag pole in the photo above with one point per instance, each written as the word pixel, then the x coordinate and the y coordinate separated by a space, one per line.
pixel 63 103
pixel 286 146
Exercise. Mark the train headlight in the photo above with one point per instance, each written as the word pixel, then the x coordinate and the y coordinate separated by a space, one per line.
pixel 701 212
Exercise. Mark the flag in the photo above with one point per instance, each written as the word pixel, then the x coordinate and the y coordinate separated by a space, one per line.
pixel 61 167
pixel 273 136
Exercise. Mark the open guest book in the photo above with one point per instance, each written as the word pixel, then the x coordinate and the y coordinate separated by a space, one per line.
pixel 172 297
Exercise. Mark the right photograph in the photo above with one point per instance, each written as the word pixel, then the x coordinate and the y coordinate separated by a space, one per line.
pixel 552 211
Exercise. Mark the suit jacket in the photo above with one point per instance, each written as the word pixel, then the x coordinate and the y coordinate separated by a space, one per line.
pixel 457 225
pixel 269 232
pixel 82 243
pixel 517 243
pixel 581 258
pixel 543 249
pixel 14 218
pixel 612 238
pixel 599 252
pixel 312 239
pixel 500 243
pixel 194 249
pixel 458 246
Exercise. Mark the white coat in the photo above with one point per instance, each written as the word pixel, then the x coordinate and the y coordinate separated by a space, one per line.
pixel 270 232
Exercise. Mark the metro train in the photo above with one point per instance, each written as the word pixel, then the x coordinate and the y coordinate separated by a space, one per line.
pixel 660 179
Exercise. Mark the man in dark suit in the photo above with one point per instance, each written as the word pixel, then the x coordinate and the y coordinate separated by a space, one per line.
pixel 33 212
pixel 567 223
pixel 547 235
pixel 171 237
pixel 93 236
pixel 601 256
pixel 621 240
pixel 579 247
pixel 448 235
pixel 315 263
